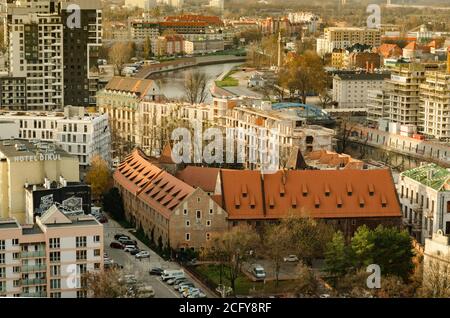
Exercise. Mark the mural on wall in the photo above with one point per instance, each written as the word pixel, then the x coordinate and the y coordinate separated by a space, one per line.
pixel 73 205
pixel 46 203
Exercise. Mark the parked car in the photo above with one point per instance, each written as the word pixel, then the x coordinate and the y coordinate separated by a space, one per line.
pixel 123 238
pixel 177 284
pixel 146 292
pixel 291 258
pixel 102 219
pixel 171 273
pixel 143 254
pixel 118 236
pixel 135 251
pixel 183 286
pixel 258 271
pixel 128 248
pixel 197 294
pixel 129 242
pixel 117 245
pixel 156 271
pixel 189 291
pixel 176 280
pixel 130 279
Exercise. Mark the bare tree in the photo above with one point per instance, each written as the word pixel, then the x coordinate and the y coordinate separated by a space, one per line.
pixel 195 87
pixel 119 54
pixel 436 277
pixel 105 284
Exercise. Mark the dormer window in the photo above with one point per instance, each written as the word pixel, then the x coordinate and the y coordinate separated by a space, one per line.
pixel 271 202
pixel 349 190
pixel 252 202
pixel 282 190
pixel 316 202
pixel 371 190
pixel 327 190
pixel 294 202
pixel 244 191
pixel 305 190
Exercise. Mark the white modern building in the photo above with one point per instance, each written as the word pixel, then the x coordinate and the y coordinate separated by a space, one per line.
pixel 350 90
pixel 425 200
pixel 79 133
pixel 47 259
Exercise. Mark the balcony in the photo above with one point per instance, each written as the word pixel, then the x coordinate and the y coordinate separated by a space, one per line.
pixel 35 294
pixel 36 281
pixel 33 268
pixel 33 254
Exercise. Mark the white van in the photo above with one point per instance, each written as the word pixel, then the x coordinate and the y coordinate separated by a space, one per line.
pixel 168 274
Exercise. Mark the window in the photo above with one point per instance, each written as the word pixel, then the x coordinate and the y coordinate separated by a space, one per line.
pixel 198 214
pixel 55 270
pixel 96 238
pixel 188 236
pixel 2 258
pixel 185 212
pixel 2 245
pixel 54 243
pixel 15 242
pixel 210 211
pixel 96 265
pixel 16 269
pixel 16 283
pixel 81 294
pixel 2 272
pixel 16 255
pixel 96 252
pixel 55 283
pixel 55 295
pixel 55 256
pixel 198 199
pixel 188 223
pixel 81 255
pixel 208 223
pixel 208 236
pixel 81 241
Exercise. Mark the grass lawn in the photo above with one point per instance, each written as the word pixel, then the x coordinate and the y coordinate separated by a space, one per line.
pixel 244 286
pixel 228 81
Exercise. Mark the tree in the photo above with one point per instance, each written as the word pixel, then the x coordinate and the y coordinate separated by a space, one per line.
pixel 305 74
pixel 389 248
pixel 120 53
pixel 105 284
pixel 436 277
pixel 147 49
pixel 337 261
pixel 234 246
pixel 276 245
pixel 195 87
pixel 113 203
pixel 307 282
pixel 98 176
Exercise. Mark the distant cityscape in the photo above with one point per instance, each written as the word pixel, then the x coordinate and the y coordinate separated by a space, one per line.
pixel 219 149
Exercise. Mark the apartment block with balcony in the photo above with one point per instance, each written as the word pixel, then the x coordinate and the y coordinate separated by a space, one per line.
pixel 425 200
pixel 403 89
pixel 48 258
pixel 435 105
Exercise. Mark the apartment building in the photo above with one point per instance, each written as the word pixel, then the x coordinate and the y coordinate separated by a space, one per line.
pixel 141 29
pixel 168 45
pixel 403 90
pixel 350 90
pixel 13 92
pixel 120 100
pixel 81 46
pixel 36 53
pixel 435 105
pixel 343 37
pixel 47 258
pixel 169 210
pixel 425 200
pixel 24 163
pixel 79 133
pixel 436 260
pixel 376 105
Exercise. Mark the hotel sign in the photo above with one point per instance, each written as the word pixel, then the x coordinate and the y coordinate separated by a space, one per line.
pixel 39 157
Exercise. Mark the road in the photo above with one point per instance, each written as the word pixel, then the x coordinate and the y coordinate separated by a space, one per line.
pixel 140 268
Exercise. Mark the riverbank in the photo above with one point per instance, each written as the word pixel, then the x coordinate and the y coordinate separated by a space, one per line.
pixel 426 150
pixel 184 63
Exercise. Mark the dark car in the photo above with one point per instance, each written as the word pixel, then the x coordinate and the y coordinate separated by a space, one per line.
pixel 156 271
pixel 118 236
pixel 117 245
pixel 103 219
pixel 129 242
pixel 134 251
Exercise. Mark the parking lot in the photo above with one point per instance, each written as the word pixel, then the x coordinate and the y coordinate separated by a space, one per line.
pixel 140 267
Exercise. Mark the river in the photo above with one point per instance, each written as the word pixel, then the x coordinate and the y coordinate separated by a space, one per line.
pixel 172 83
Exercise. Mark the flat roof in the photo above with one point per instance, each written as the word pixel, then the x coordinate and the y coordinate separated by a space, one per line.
pixel 12 148
pixel 31 230
pixel 8 224
pixel 75 222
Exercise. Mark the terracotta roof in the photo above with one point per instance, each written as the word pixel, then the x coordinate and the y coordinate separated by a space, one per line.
pixel 166 155
pixel 411 46
pixel 130 84
pixel 156 187
pixel 389 50
pixel 333 159
pixel 319 193
pixel 201 177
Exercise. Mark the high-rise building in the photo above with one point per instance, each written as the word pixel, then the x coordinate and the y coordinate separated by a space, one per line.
pixel 52 49
pixel 81 48
pixel 435 105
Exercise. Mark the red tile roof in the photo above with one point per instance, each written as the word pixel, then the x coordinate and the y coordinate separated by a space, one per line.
pixel 156 187
pixel 199 177
pixel 319 193
pixel 130 84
